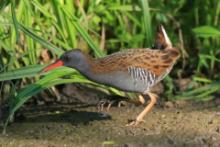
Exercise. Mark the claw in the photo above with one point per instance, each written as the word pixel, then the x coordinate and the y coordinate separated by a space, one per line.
pixel 109 104
pixel 134 123
pixel 101 104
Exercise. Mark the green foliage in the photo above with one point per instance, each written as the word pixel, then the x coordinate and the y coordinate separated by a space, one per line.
pixel 52 78
pixel 206 32
pixel 202 93
pixel 28 27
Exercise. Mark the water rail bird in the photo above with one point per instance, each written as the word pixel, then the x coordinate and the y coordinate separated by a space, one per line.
pixel 132 70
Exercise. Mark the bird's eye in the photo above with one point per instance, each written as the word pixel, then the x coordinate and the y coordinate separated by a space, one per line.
pixel 66 58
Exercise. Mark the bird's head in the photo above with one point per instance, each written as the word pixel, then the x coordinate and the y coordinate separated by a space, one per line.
pixel 74 58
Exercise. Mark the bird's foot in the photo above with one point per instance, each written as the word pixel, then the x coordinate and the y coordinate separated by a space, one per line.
pixel 134 123
pixel 109 104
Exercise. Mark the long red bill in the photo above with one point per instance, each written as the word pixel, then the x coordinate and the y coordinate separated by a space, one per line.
pixel 58 63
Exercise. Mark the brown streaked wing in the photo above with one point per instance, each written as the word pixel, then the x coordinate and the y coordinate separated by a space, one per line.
pixel 155 61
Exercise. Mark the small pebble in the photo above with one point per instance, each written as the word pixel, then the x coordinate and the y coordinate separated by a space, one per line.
pixel 218 129
pixel 163 116
pixel 210 122
pixel 218 113
pixel 169 105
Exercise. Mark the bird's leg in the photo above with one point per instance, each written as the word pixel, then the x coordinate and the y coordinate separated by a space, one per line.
pixel 140 117
pixel 141 99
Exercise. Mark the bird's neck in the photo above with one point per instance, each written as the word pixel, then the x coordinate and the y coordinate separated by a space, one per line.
pixel 86 66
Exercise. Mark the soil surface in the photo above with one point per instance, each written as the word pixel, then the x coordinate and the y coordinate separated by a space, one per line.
pixel 177 124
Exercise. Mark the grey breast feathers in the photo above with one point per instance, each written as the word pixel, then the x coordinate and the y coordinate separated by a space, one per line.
pixel 142 75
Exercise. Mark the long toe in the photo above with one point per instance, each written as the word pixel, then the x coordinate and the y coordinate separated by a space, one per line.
pixel 117 103
pixel 109 103
pixel 121 103
pixel 101 104
pixel 134 123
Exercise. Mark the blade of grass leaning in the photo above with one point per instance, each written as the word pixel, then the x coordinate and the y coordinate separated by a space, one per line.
pixel 42 9
pixel 24 72
pixel 63 38
pixel 201 79
pixel 71 32
pixel 17 15
pixel 147 22
pixel 14 19
pixel 72 35
pixel 40 40
pixel 29 42
pixel 83 33
pixel 58 13
pixel 199 93
pixel 14 38
pixel 124 7
pixel 63 22
pixel 206 31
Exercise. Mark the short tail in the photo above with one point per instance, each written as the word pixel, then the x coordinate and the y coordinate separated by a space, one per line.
pixel 162 40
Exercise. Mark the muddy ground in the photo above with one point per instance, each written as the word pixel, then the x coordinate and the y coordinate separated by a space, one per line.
pixel 67 125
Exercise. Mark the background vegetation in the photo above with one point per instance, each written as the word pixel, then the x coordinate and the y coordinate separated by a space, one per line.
pixel 35 32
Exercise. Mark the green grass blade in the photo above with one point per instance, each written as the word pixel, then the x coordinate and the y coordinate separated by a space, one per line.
pixel 147 22
pixel 30 43
pixel 42 9
pixel 15 22
pixel 200 93
pixel 28 71
pixel 40 40
pixel 69 26
pixel 206 31
pixel 84 34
